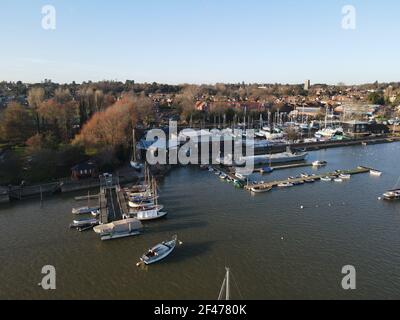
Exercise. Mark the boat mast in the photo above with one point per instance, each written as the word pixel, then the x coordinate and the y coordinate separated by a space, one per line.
pixel 227 293
pixel 134 146
pixel 225 286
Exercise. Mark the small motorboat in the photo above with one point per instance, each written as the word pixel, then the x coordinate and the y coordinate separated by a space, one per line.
pixel 266 170
pixel 375 173
pixel 392 195
pixel 285 185
pixel 223 176
pixel 309 180
pixel 327 179
pixel 338 180
pixel 83 223
pixel 84 210
pixel 159 252
pixel 210 169
pixel 260 189
pixel 304 175
pixel 319 163
pixel 345 176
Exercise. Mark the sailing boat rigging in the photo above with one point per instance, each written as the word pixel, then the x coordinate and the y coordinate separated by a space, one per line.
pixel 134 163
pixel 225 288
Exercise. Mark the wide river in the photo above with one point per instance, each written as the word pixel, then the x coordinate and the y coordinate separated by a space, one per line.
pixel 275 248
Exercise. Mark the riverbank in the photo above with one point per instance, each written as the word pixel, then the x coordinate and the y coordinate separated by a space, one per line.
pixel 125 175
pixel 128 175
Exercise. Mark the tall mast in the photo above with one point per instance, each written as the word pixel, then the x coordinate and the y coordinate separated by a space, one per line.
pixel 225 286
pixel 134 145
pixel 227 293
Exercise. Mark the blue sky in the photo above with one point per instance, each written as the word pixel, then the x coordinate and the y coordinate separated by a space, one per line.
pixel 200 41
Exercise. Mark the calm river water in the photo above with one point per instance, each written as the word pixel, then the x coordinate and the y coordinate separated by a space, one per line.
pixel 275 249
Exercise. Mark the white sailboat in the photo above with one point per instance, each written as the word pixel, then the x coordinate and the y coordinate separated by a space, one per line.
pixel 153 210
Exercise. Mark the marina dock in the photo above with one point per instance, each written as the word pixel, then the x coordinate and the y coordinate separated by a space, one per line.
pixel 287 166
pixel 274 184
pixel 231 174
pixel 112 202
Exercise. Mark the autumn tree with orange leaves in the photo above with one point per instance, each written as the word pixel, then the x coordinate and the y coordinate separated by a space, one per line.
pixel 112 127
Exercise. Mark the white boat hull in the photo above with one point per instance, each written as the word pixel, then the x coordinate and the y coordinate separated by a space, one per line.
pixel 113 236
pixel 275 158
pixel 158 216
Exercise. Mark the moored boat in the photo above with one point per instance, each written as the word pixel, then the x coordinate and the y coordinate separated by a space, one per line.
pixel 345 176
pixel 260 189
pixel 319 163
pixel 285 185
pixel 309 180
pixel 266 170
pixel 82 223
pixel 327 179
pixel 392 195
pixel 119 229
pixel 84 210
pixel 283 157
pixel 147 215
pixel 159 252
pixel 376 173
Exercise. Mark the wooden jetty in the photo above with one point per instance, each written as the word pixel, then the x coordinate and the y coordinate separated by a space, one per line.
pixel 274 184
pixel 287 166
pixel 112 202
pixel 88 197
pixel 231 174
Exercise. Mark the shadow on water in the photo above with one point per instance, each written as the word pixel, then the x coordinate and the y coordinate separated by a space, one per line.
pixel 188 251
pixel 175 227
